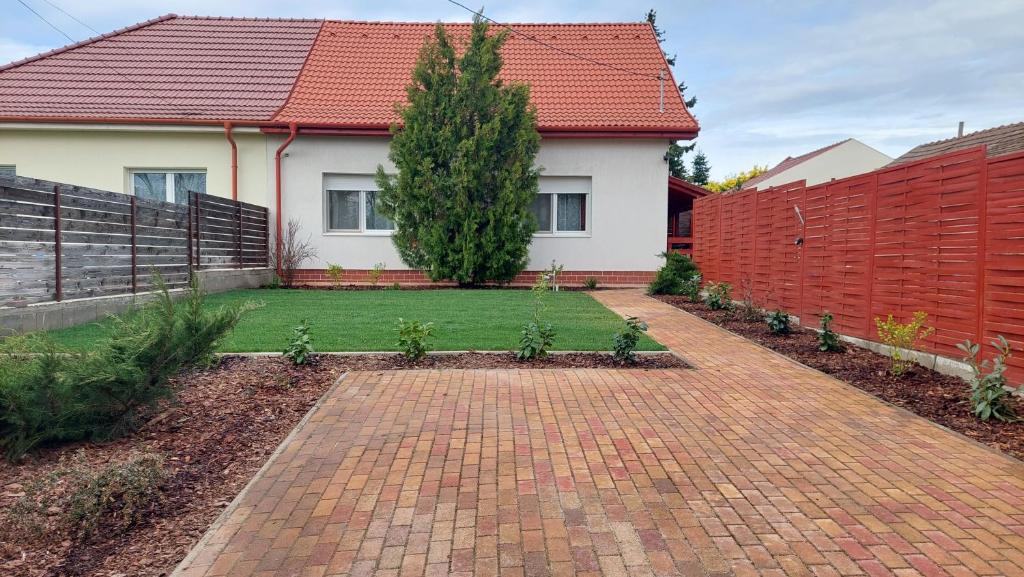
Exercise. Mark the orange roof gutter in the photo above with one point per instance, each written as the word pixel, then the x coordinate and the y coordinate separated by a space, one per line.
pixel 293 131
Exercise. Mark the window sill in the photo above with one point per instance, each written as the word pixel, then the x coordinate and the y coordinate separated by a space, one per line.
pixel 582 234
pixel 359 233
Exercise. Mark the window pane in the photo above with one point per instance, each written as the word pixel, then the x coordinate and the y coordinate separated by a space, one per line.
pixel 572 212
pixel 374 219
pixel 343 209
pixel 185 182
pixel 150 185
pixel 541 209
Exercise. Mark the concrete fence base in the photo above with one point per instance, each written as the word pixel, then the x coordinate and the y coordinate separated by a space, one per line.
pixel 58 315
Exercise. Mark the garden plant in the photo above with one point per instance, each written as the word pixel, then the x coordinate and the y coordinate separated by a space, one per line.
pixel 828 340
pixel 300 348
pixel 991 394
pixel 778 322
pixel 717 296
pixel 902 337
pixel 625 341
pixel 537 336
pixel 412 338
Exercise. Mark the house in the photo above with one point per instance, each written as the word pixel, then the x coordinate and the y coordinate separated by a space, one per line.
pixel 294 115
pixel 998 141
pixel 838 160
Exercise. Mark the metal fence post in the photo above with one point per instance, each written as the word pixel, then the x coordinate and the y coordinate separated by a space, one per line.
pixel 59 285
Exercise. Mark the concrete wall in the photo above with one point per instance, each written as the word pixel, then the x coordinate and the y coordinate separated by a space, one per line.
pixel 57 315
pixel 628 202
pixel 849 158
pixel 99 156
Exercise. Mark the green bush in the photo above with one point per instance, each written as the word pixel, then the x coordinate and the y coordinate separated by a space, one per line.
pixel 673 277
pixel 625 341
pixel 412 338
pixel 50 395
pixel 300 347
pixel 828 340
pixel 900 337
pixel 535 341
pixel 778 322
pixel 590 283
pixel 717 296
pixel 335 272
pixel 990 392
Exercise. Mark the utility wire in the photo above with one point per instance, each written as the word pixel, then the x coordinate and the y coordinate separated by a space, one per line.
pixel 108 66
pixel 555 48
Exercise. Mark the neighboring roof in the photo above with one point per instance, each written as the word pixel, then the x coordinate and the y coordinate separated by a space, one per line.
pixel 172 67
pixel 358 70
pixel 178 68
pixel 790 162
pixel 999 140
pixel 687 188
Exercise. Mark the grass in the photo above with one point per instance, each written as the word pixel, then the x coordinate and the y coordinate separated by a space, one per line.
pixel 366 320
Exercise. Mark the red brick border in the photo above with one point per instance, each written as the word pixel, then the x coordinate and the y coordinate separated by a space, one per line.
pixel 319 277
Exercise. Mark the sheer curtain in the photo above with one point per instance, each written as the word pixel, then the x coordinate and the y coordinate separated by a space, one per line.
pixel 150 185
pixel 343 209
pixel 572 210
pixel 185 182
pixel 541 209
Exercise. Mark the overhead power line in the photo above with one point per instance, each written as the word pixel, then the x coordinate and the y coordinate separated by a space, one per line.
pixel 536 40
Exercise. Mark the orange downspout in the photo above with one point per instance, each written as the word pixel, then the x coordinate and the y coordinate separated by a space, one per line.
pixel 234 159
pixel 293 130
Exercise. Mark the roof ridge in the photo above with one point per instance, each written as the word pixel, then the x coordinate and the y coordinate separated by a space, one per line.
pixel 250 18
pixel 87 41
pixel 500 24
pixel 951 138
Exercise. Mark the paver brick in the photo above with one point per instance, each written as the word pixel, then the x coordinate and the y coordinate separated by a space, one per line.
pixel 747 465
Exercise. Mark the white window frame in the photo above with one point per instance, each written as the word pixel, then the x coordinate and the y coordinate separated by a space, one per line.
pixel 554 217
pixel 362 230
pixel 13 168
pixel 168 174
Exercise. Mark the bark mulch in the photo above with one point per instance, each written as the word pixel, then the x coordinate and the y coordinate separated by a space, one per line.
pixel 940 398
pixel 224 425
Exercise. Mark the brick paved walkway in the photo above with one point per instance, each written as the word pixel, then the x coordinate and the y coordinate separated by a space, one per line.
pixel 749 465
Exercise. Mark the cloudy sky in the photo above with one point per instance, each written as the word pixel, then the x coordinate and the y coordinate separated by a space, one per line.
pixel 773 78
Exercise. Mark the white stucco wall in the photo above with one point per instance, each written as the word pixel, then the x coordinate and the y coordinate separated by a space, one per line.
pixel 628 201
pixel 100 156
pixel 849 158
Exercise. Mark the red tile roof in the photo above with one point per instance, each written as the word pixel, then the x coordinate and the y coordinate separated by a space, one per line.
pixel 999 140
pixel 358 70
pixel 219 69
pixel 171 67
pixel 790 162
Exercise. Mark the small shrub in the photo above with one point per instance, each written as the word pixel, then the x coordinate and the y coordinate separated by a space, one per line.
pixel 300 347
pixel 412 338
pixel 50 395
pixel 626 340
pixel 395 286
pixel 828 340
pixel 672 276
pixel 590 283
pixel 749 311
pixel 552 273
pixel 335 272
pixel 79 500
pixel 990 392
pixel 717 296
pixel 294 252
pixel 900 337
pixel 535 341
pixel 778 322
pixel 691 288
pixel 376 273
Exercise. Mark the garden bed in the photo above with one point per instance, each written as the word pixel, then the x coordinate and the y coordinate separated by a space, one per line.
pixel 226 423
pixel 940 398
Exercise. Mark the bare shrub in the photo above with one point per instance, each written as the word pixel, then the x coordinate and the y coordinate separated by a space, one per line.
pixel 295 250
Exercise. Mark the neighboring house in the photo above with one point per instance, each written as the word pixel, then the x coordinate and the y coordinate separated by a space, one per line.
pixel 839 160
pixel 998 141
pixel 294 115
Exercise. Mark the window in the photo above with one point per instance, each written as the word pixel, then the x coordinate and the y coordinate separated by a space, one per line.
pixel 167 185
pixel 565 211
pixel 7 170
pixel 352 205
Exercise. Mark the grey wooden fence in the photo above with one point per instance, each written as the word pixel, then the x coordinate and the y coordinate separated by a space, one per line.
pixel 59 241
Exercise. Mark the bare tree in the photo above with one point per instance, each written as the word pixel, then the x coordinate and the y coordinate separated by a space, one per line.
pixel 294 252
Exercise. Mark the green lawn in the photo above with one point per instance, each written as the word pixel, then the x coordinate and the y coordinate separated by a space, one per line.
pixel 366 320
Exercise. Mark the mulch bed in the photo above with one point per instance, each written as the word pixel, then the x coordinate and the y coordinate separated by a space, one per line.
pixel 225 424
pixel 934 396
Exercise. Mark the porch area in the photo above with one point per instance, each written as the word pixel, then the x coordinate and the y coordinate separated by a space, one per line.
pixel 681 195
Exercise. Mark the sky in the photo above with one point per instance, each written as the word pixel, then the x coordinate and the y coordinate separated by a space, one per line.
pixel 772 78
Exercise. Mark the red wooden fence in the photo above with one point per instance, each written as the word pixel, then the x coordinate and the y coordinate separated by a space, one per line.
pixel 944 235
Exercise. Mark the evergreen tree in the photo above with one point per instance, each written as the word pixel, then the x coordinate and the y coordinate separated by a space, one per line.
pixel 676 151
pixel 701 172
pixel 465 158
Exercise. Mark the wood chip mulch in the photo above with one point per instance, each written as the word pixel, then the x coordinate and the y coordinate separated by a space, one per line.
pixel 223 427
pixel 940 398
